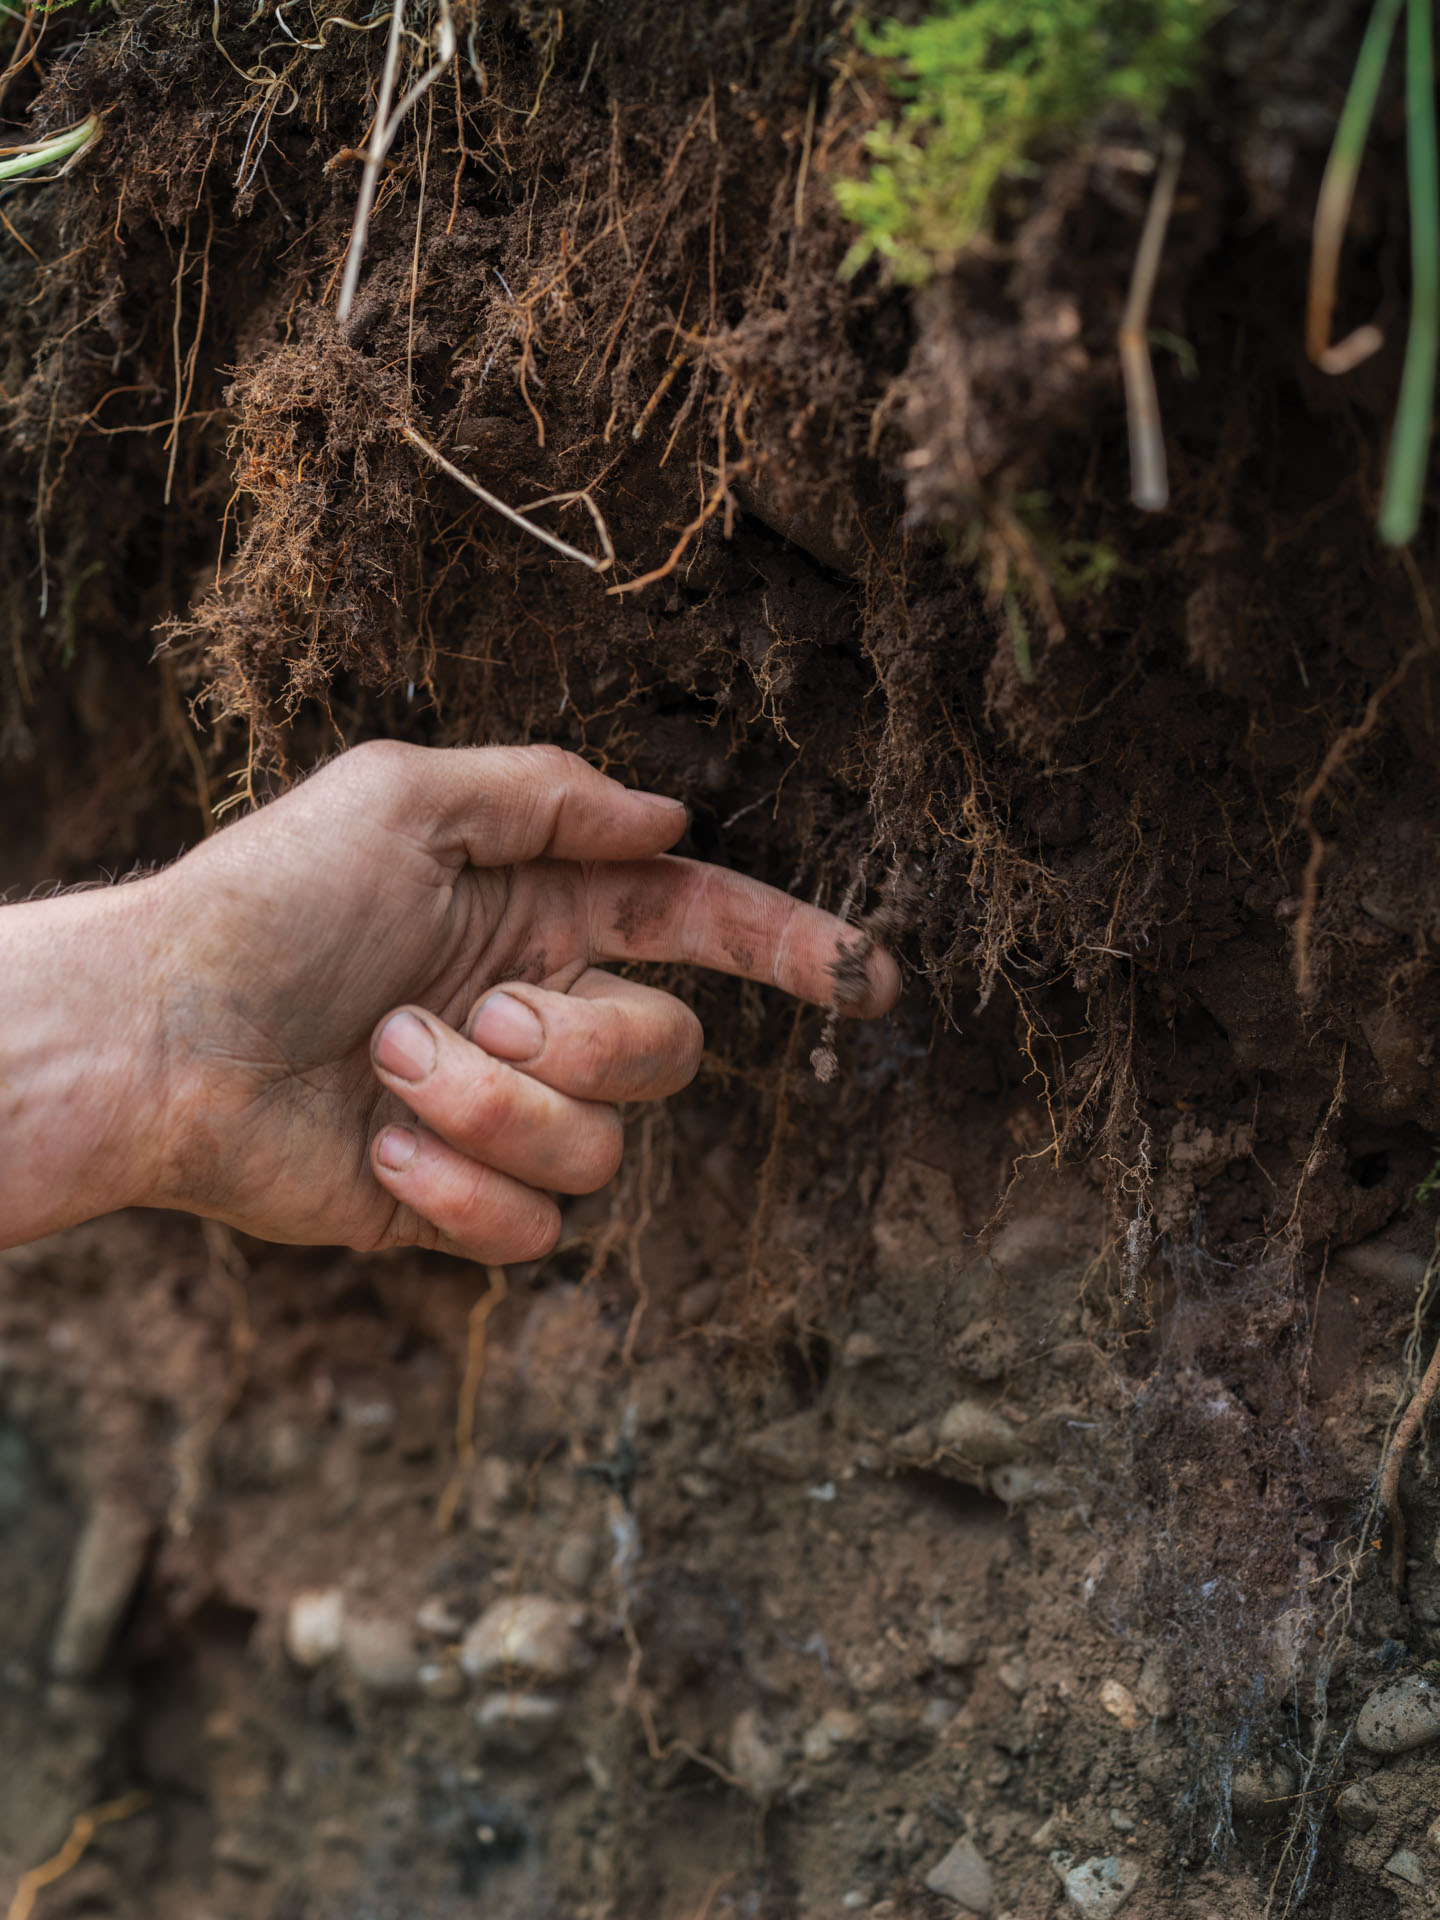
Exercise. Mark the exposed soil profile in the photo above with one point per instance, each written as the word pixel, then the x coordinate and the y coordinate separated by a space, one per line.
pixel 950 1486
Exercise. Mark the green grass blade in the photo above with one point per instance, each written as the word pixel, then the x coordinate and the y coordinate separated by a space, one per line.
pixel 1337 189
pixel 1410 443
pixel 43 153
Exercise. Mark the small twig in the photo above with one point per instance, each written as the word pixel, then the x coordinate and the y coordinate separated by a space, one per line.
pixel 1149 484
pixel 551 540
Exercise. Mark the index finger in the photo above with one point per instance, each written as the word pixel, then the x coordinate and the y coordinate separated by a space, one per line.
pixel 686 910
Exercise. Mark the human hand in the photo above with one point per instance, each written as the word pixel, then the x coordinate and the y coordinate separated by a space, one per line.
pixel 369 1013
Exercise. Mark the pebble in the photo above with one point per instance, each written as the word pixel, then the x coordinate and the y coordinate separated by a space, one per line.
pixel 527 1634
pixel 1256 1790
pixel 756 1763
pixel 836 1728
pixel 790 1449
pixel 489 1492
pixel 380 1655
pixel 1153 1690
pixel 1030 1250
pixel 109 1560
pixel 963 1876
pixel 433 1616
pixel 1121 1822
pixel 574 1561
pixel 1400 1717
pixel 1357 1807
pixel 950 1648
pixel 1013 1675
pixel 860 1350
pixel 1120 1704
pixel 313 1626
pixel 441 1681
pixel 1099 1887
pixel 979 1436
pixel 1405 1865
pixel 517 1723
pixel 371 1421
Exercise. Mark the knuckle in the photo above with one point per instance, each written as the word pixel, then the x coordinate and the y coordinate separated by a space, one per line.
pixel 486 1109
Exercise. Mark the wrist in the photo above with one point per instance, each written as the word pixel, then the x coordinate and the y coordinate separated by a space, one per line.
pixel 82 1059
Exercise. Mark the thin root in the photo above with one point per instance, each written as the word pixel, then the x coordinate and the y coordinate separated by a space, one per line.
pixel 1149 483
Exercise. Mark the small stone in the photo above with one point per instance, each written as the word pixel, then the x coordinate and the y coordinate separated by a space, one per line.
pixel 1153 1691
pixel 697 1486
pixel 1013 1675
pixel 963 1876
pixel 1047 1833
pixel 1397 1718
pixel 313 1626
pixel 371 1421
pixel 1405 1865
pixel 1018 1485
pixel 978 1436
pixel 860 1350
pixel 1357 1807
pixel 528 1634
pixel 854 1900
pixel 489 1492
pixel 434 1617
pixel 1100 1887
pixel 574 1561
pixel 757 1764
pixel 243 1852
pixel 1258 1790
pixel 441 1681
pixel 1030 1250
pixel 836 1728
pixel 1121 1822
pixel 380 1655
pixel 109 1560
pixel 1120 1704
pixel 1432 1834
pixel 950 1648
pixel 790 1449
pixel 914 1445
pixel 517 1723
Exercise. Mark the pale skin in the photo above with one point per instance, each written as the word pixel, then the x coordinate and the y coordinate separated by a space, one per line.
pixel 371 1014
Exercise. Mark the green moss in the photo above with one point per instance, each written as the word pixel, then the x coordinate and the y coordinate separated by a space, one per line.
pixel 980 84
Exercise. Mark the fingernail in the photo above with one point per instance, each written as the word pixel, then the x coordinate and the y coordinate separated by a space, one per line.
pixel 397 1148
pixel 406 1047
pixel 507 1028
pixel 662 801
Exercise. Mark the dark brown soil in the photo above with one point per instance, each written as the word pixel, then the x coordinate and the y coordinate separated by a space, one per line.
pixel 1129 1184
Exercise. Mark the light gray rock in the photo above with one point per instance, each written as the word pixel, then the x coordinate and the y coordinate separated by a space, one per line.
pixel 836 1729
pixel 109 1560
pixel 1099 1887
pixel 314 1625
pixel 441 1681
pixel 980 1437
pixel 790 1449
pixel 756 1761
pixel 963 1876
pixel 380 1654
pixel 575 1557
pixel 1405 1865
pixel 519 1724
pixel 529 1634
pixel 1400 1717
pixel 1357 1807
